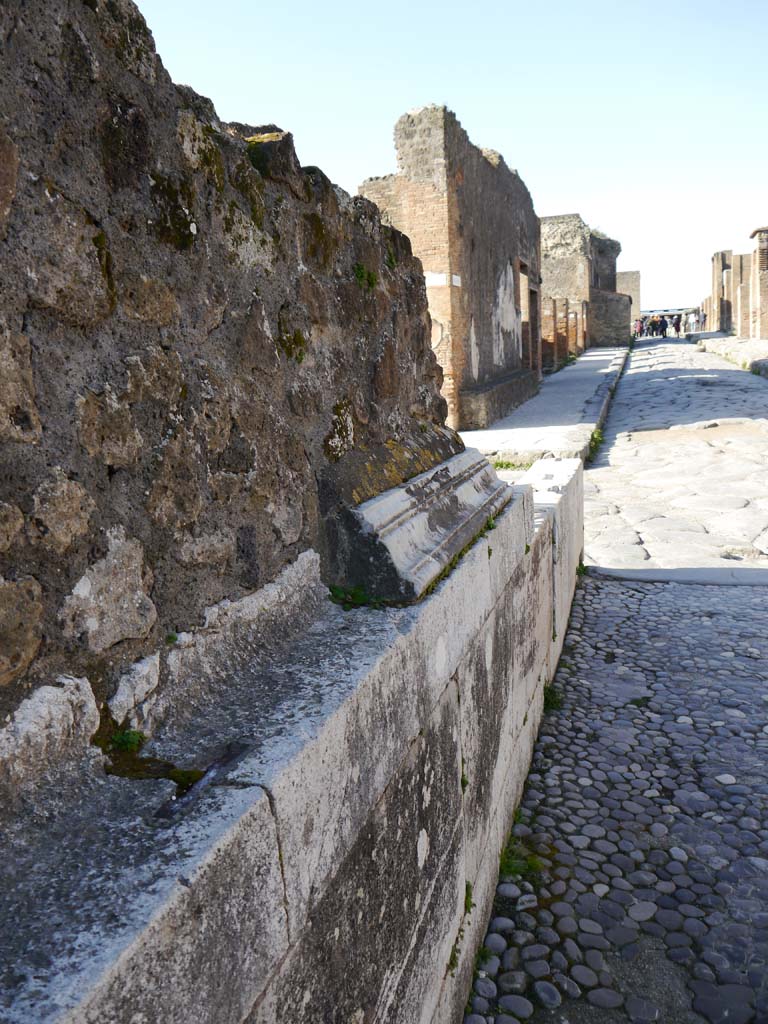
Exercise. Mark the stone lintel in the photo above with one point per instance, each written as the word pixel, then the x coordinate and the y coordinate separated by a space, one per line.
pixel 420 527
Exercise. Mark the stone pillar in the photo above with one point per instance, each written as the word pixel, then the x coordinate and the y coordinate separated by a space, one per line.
pixel 561 344
pixel 759 285
pixel 548 333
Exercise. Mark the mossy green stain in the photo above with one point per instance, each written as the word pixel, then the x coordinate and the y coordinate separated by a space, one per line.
pixel 122 748
pixel 250 185
pixel 174 203
pixel 322 245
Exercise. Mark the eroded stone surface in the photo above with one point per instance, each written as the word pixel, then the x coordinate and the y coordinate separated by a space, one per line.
pixel 223 350
pixel 21 613
pixel 61 513
pixel 49 732
pixel 110 602
pixel 19 419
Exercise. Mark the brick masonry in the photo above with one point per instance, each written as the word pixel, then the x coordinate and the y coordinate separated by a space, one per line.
pixel 471 221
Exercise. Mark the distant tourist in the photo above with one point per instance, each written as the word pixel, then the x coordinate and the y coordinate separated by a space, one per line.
pixel 693 322
pixel 676 322
pixel 703 321
pixel 663 326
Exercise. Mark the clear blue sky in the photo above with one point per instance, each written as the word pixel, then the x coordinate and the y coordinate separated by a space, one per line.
pixel 650 119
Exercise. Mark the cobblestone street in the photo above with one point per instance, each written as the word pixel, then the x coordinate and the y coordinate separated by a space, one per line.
pixel 636 884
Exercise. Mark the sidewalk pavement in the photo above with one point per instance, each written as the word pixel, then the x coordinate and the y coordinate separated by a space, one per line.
pixel 560 420
pixel 748 353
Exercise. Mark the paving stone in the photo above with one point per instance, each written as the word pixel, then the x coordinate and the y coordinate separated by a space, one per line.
pixel 642 1011
pixel 517 1005
pixel 547 995
pixel 605 998
pixel 513 982
pixel 583 976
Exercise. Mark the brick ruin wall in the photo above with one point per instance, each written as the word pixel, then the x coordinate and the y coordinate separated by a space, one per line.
pixel 579 271
pixel 471 221
pixel 207 352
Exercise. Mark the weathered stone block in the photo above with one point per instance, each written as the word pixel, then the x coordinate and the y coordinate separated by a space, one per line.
pixel 407 536
pixel 19 419
pixel 9 169
pixel 413 832
pixel 49 732
pixel 110 602
pixel 21 613
pixel 132 703
pixel 61 513
pixel 11 522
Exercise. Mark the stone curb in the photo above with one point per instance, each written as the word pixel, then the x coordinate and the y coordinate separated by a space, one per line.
pixel 729 348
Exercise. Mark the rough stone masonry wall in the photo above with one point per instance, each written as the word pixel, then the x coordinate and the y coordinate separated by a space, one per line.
pixel 471 221
pixel 609 318
pixel 206 351
pixel 628 283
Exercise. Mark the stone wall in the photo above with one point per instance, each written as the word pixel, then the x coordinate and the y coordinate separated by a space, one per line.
pixel 207 352
pixel 610 318
pixel 759 286
pixel 339 859
pixel 578 268
pixel 628 283
pixel 472 223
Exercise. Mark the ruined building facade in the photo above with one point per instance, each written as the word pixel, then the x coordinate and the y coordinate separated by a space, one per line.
pixel 581 306
pixel 471 221
pixel 628 283
pixel 738 301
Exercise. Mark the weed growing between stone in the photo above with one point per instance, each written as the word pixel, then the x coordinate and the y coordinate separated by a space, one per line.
pixel 353 597
pixel 122 748
pixel 553 700
pixel 508 464
pixel 517 862
pixel 595 441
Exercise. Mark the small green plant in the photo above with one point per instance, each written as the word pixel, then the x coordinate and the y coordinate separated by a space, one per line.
pixel 453 960
pixel 517 817
pixel 481 956
pixel 490 551
pixel 490 524
pixel 508 464
pixel 553 700
pixel 468 904
pixel 128 740
pixel 365 278
pixel 581 569
pixel 517 861
pixel 595 441
pixel 527 548
pixel 391 259
pixel 353 597
pixel 171 638
pixel 641 702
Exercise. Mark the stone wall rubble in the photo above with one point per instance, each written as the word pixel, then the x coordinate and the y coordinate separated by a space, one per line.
pixel 582 307
pixel 207 352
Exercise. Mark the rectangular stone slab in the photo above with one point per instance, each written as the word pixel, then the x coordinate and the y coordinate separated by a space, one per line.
pixel 416 530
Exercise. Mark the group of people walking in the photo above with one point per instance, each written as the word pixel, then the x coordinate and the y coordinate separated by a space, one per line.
pixel 658 326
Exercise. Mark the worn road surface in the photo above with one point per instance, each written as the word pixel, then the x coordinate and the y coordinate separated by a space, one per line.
pixel 643 829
